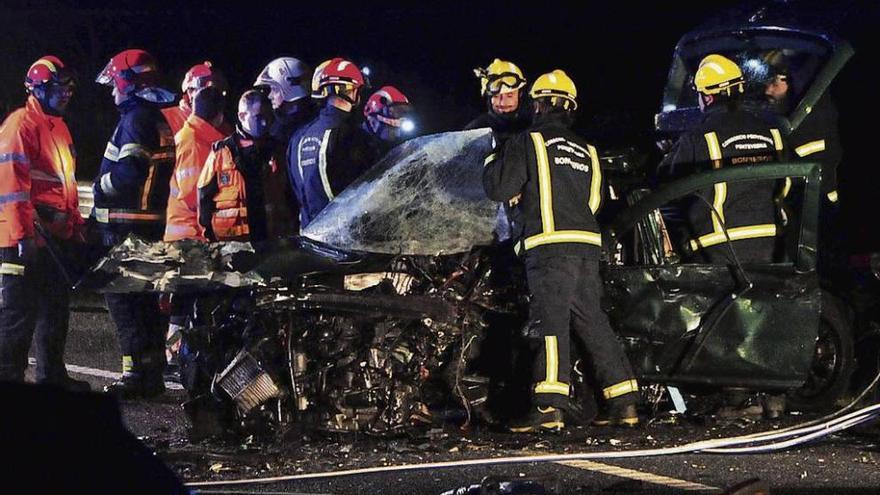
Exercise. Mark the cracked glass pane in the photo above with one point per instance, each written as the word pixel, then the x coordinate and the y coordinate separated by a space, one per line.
pixel 425 197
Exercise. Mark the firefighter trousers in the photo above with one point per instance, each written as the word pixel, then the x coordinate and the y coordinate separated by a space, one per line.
pixel 138 326
pixel 142 340
pixel 565 299
pixel 34 305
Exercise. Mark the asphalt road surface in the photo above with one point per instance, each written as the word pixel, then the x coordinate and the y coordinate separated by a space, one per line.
pixel 846 462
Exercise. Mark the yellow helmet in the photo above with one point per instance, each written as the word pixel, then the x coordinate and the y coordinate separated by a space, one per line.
pixel 717 74
pixel 556 85
pixel 500 76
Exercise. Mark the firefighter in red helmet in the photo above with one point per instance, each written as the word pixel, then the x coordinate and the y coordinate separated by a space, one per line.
pixel 37 188
pixel 388 117
pixel 131 193
pixel 331 151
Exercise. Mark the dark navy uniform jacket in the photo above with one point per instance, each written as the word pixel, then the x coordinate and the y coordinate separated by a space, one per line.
pixel 324 157
pixel 132 186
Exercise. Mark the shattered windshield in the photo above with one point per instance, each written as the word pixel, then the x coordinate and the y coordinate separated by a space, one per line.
pixel 761 57
pixel 425 197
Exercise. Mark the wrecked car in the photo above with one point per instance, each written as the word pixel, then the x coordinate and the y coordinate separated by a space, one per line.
pixel 380 337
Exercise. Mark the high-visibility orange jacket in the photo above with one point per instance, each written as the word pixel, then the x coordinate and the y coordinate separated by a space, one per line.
pixel 192 147
pixel 223 186
pixel 37 172
pixel 176 116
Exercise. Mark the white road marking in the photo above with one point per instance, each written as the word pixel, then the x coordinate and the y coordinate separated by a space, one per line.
pixel 639 475
pixel 110 375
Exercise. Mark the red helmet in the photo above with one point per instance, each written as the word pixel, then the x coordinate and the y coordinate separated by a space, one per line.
pixel 48 69
pixel 338 73
pixel 130 70
pixel 382 101
pixel 203 75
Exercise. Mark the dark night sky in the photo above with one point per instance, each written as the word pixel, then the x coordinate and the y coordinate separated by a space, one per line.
pixel 618 52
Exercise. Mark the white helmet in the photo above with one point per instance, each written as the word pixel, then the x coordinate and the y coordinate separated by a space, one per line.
pixel 288 79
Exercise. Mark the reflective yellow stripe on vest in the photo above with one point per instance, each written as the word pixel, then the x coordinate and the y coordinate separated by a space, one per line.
pixel 736 234
pixel 714 147
pixel 810 148
pixel 560 236
pixel 596 181
pixel 777 139
pixel 621 388
pixel 11 269
pixel 549 234
pixel 720 195
pixel 551 383
pixel 545 189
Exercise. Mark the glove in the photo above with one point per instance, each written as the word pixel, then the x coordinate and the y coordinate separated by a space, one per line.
pixel 27 249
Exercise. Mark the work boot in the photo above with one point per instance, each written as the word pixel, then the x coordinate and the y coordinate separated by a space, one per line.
pixel 620 411
pixel 540 419
pixel 135 386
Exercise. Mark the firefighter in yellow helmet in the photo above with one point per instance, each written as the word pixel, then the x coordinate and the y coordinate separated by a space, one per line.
pixel 727 135
pixel 508 112
pixel 550 179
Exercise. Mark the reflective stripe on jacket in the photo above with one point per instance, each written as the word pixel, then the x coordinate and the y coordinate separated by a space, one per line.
pixel 133 181
pixel 37 169
pixel 192 148
pixel 554 178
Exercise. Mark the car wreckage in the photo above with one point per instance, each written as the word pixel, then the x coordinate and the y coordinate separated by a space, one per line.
pixel 384 313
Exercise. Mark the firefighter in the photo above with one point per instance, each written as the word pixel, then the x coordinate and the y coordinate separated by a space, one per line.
pixel 388 118
pixel 286 80
pixel 231 195
pixel 508 111
pixel 131 193
pixel 552 176
pixel 744 212
pixel 331 151
pixel 37 186
pixel 176 115
pixel 816 139
pixel 192 147
pixel 206 89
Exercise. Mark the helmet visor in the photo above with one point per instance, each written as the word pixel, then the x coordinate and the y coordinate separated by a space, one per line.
pixel 504 83
pixel 104 77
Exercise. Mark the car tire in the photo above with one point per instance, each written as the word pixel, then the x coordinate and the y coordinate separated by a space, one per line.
pixel 833 361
